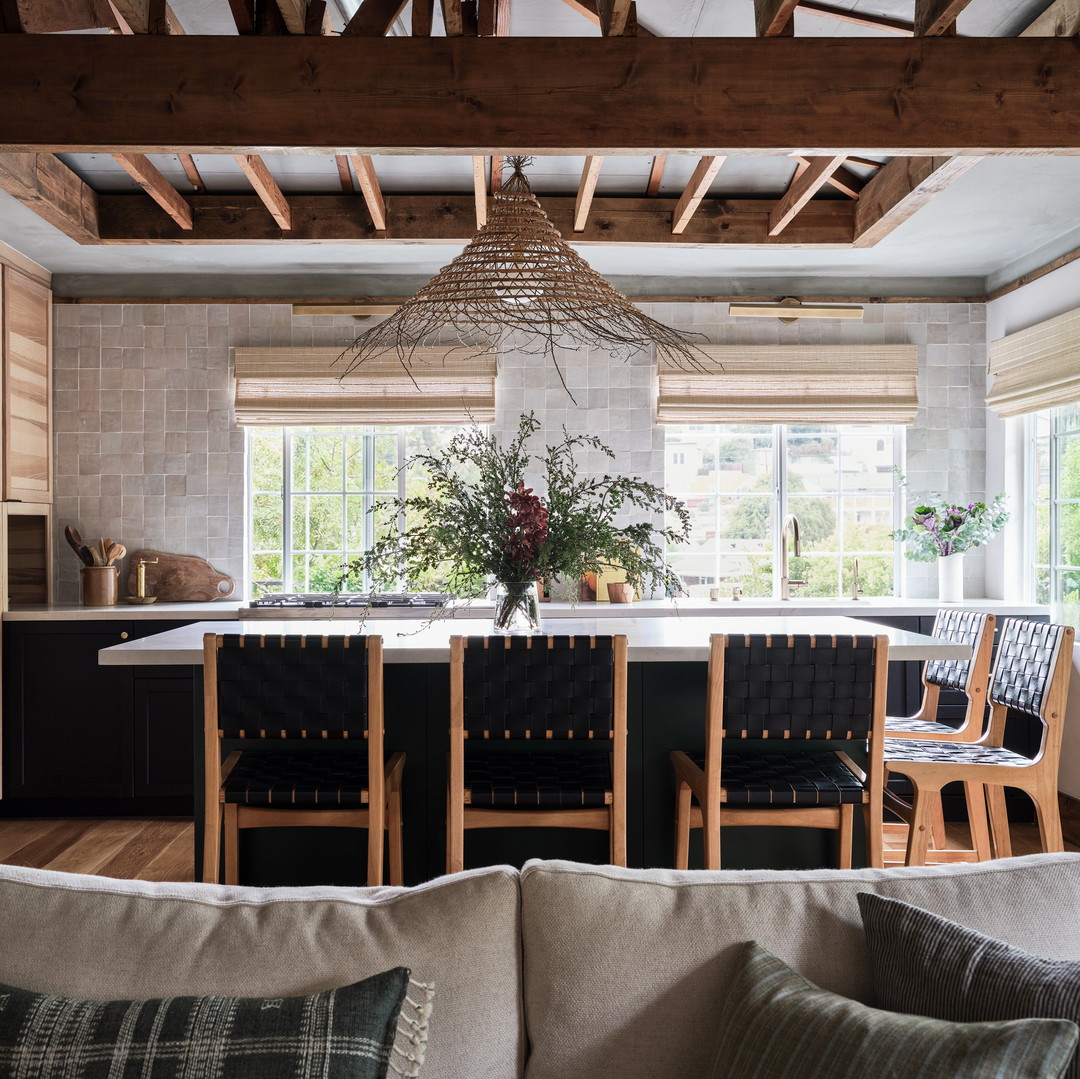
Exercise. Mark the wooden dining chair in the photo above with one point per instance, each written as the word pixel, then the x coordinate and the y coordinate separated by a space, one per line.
pixel 280 694
pixel 525 689
pixel 776 688
pixel 1031 675
pixel 969 676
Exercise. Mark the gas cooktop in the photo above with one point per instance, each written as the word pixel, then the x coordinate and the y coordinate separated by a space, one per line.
pixel 313 600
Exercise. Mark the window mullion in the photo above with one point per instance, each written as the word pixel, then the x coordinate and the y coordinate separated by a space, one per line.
pixel 286 509
pixel 780 483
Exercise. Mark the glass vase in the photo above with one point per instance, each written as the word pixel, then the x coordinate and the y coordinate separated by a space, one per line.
pixel 517 608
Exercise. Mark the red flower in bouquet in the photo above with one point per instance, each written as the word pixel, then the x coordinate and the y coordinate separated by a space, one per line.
pixel 527 521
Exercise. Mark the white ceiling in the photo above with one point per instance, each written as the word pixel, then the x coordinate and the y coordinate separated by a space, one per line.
pixel 1001 219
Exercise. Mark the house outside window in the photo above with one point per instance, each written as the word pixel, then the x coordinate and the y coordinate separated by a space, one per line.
pixel 310 496
pixel 739 481
pixel 1053 520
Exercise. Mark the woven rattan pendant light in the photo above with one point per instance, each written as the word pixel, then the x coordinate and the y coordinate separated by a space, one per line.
pixel 518 276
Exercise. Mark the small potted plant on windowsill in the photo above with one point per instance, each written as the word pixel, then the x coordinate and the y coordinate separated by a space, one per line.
pixel 941 529
pixel 477 523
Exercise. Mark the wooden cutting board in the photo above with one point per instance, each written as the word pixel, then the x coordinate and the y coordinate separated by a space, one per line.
pixel 179 577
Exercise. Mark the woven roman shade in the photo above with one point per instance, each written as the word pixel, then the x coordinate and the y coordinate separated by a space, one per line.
pixel 1036 368
pixel 300 386
pixel 793 384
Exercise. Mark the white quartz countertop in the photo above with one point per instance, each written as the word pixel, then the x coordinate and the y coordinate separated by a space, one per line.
pixel 222 610
pixel 419 641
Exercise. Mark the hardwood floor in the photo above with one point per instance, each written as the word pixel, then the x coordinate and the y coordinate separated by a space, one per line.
pixel 161 848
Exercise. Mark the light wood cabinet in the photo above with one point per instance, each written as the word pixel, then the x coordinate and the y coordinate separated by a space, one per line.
pixel 27 402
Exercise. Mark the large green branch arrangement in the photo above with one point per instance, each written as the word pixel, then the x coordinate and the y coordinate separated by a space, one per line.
pixel 477 521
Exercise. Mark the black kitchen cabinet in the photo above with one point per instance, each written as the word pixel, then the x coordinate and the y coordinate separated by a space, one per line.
pixel 80 739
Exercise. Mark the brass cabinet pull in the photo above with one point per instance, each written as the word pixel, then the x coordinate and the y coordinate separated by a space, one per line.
pixel 124 636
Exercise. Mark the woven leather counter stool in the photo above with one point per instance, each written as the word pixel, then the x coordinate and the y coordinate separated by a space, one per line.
pixel 1031 675
pixel 263 689
pixel 968 676
pixel 518 689
pixel 763 687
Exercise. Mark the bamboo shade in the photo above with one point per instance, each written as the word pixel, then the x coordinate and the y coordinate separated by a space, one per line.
pixel 793 384
pixel 1036 368
pixel 300 385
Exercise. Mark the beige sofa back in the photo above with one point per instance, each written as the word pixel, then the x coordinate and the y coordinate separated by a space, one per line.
pixel 109 939
pixel 625 969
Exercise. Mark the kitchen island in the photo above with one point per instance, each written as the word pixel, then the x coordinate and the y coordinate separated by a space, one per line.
pixel 666 695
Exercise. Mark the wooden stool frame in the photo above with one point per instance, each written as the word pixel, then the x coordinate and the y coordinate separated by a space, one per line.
pixel 462 816
pixel 700 800
pixel 381 814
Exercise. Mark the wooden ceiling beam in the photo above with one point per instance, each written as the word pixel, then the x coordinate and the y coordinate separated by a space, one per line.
pixel 191 171
pixel 374 18
pixel 853 18
pixel 936 17
pixel 922 96
pixel 773 17
pixel 843 179
pixel 615 16
pixel 44 184
pixel 243 14
pixel 696 189
pixel 493 18
pixel 590 9
pixel 295 14
pixel 902 188
pixel 344 172
pixel 497 162
pixel 806 184
pixel 586 189
pixel 254 168
pixel 622 221
pixel 149 178
pixel 1060 19
pixel 10 18
pixel 369 188
pixel 55 16
pixel 423 13
pixel 453 19
pixel 480 195
pixel 656 175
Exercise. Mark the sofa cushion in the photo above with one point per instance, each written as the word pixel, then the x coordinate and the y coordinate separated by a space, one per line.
pixel 626 969
pixel 776 1025
pixel 924 963
pixel 102 939
pixel 346 1033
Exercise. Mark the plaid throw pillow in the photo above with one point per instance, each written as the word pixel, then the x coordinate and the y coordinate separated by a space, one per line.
pixel 361 1031
pixel 924 963
pixel 774 1024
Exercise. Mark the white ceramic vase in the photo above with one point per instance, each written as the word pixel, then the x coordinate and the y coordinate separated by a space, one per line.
pixel 951 579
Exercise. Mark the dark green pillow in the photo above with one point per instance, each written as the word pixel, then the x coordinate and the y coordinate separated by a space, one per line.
pixel 774 1024
pixel 924 963
pixel 349 1032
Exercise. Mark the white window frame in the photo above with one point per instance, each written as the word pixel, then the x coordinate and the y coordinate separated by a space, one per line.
pixel 781 500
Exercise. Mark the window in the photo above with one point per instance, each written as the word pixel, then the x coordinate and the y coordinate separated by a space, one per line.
pixel 310 496
pixel 739 481
pixel 1053 522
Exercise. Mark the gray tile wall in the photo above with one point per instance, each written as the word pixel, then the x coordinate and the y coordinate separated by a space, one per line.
pixel 147 453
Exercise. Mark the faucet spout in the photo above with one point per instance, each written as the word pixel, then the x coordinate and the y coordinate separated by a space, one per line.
pixel 856 588
pixel 789 527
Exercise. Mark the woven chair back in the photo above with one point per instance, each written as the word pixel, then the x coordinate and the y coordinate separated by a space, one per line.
pixel 293 686
pixel 549 688
pixel 1026 660
pixel 799 686
pixel 964 627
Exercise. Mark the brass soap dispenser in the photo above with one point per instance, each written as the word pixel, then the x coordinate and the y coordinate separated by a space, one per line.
pixel 140 582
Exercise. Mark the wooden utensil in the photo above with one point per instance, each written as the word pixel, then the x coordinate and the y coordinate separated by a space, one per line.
pixel 75 542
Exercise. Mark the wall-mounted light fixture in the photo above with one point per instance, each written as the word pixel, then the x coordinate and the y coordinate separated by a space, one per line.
pixel 360 309
pixel 791 309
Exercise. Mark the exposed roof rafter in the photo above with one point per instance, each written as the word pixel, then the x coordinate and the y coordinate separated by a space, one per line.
pixel 147 176
pixel 369 188
pixel 266 188
pixel 936 17
pixel 586 189
pixel 696 189
pixel 806 183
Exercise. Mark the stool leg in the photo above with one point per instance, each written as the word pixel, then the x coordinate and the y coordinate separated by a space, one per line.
pixel 232 843
pixel 682 824
pixel 999 821
pixel 975 796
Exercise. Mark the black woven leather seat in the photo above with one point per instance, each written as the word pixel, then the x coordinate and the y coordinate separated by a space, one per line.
pixel 526 694
pixel 787 779
pixel 1031 675
pixel 315 778
pixel 301 720
pixel 537 779
pixel 788 688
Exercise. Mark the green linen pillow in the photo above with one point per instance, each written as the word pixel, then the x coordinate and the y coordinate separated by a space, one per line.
pixel 774 1024
pixel 360 1031
pixel 927 964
